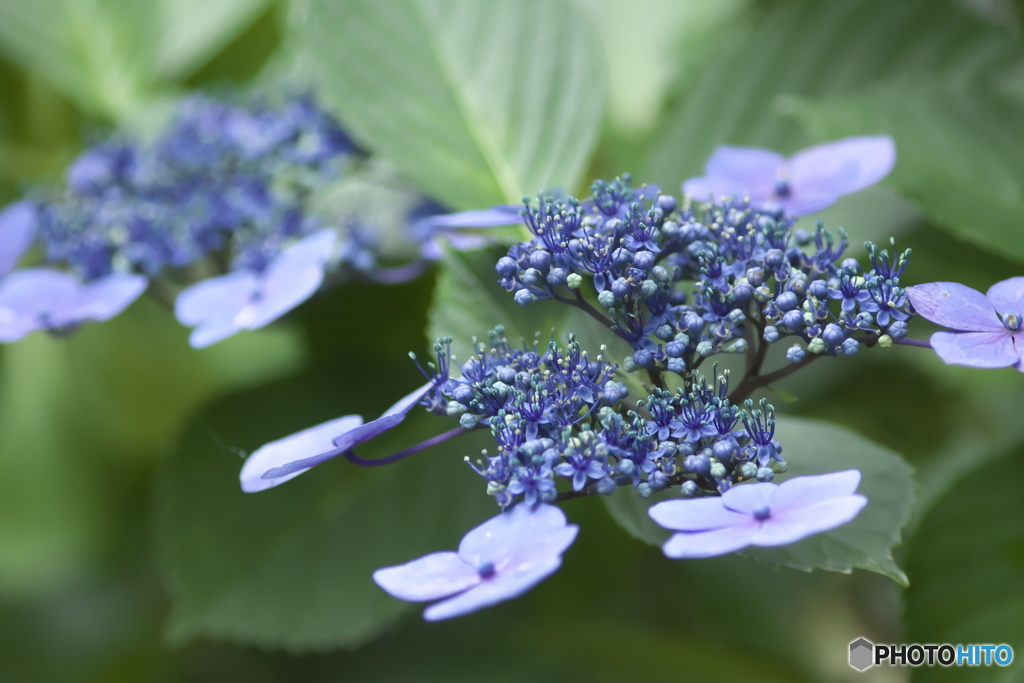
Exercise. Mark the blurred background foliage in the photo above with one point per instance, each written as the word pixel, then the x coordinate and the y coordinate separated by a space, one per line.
pixel 127 552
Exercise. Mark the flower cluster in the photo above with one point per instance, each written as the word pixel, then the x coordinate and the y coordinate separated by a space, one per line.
pixel 223 173
pixel 233 193
pixel 680 282
pixel 684 282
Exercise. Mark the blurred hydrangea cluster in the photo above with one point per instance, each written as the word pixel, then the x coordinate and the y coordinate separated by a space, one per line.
pixel 223 202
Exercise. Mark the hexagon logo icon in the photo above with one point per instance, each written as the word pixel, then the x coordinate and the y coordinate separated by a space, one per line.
pixel 862 653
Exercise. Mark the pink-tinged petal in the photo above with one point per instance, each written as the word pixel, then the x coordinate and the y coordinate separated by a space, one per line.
pixel 17 231
pixel 792 525
pixel 804 491
pixel 219 297
pixel 744 170
pixel 300 446
pixel 520 534
pixel 976 349
pixel 431 577
pixel 697 514
pixel 107 297
pixel 745 498
pixel 710 543
pixel 406 403
pixel 955 306
pixel 505 586
pixel 841 167
pixel 1008 296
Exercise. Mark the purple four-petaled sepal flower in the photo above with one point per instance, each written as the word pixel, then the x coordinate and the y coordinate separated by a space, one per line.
pixel 41 299
pixel 759 514
pixel 987 327
pixel 808 181
pixel 248 300
pixel 278 461
pixel 498 560
pixel 17 232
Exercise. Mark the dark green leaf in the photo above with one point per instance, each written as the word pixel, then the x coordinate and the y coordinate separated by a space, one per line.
pixel 815 50
pixel 966 560
pixel 478 103
pixel 291 567
pixel 961 157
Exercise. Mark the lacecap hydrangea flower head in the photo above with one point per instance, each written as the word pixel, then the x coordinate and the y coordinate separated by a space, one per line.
pixel 679 281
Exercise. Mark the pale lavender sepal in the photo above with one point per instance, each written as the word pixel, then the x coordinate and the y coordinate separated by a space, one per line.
pixel 364 433
pixel 406 403
pixel 841 167
pixel 518 548
pixel 510 584
pixel 1008 296
pixel 812 489
pixel 987 350
pixel 521 531
pixel 711 543
pixel 108 296
pixel 285 451
pixel 745 499
pixel 245 300
pixel 744 170
pixel 799 508
pixel 17 232
pixel 793 524
pixel 698 514
pixel 430 577
pixel 809 181
pixel 503 214
pixel 955 306
pixel 40 299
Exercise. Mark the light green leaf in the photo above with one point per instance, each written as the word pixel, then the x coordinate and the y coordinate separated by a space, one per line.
pixel 816 50
pixel 193 31
pixel 966 559
pixel 112 56
pixel 291 567
pixel 468 301
pixel 813 447
pixel 960 152
pixel 477 103
pixel 78 414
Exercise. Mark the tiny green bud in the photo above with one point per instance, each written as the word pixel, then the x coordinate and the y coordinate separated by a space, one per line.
pixel 574 280
pixel 885 341
pixel 817 345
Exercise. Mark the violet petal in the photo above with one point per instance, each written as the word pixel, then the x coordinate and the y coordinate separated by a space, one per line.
pixel 521 532
pixel 710 543
pixel 841 167
pixel 1008 296
pixel 511 583
pixel 789 526
pixel 297 446
pixel 430 577
pixel 698 514
pixel 17 232
pixel 976 349
pixel 809 490
pixel 955 306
